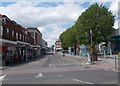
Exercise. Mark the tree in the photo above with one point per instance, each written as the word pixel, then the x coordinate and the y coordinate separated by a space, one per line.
pixel 98 19
pixel 68 37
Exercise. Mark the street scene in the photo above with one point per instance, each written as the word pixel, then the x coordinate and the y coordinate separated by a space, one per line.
pixel 59 42
pixel 54 69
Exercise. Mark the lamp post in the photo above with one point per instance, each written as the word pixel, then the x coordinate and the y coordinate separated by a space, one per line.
pixel 91 42
pixel 91 37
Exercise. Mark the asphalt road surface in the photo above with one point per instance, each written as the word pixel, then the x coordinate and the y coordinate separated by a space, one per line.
pixel 53 69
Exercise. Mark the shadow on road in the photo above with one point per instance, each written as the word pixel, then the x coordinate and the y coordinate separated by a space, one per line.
pixel 25 62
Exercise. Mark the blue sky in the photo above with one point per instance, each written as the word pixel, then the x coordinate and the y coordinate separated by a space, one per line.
pixel 51 18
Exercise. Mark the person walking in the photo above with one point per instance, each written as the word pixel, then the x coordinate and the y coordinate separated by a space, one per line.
pixel 63 53
pixel 6 60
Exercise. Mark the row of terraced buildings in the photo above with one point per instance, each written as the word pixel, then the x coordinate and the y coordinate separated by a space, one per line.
pixel 18 43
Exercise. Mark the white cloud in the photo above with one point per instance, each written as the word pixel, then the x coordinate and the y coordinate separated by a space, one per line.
pixel 28 14
pixel 47 19
pixel 53 35
pixel 114 7
pixel 116 24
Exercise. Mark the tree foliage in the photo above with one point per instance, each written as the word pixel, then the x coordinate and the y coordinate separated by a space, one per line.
pixel 68 38
pixel 97 18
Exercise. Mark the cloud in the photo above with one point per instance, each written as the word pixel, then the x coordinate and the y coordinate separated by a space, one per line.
pixel 53 35
pixel 116 24
pixel 28 14
pixel 114 7
pixel 48 19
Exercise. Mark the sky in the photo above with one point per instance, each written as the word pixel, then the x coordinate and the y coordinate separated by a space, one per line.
pixel 51 17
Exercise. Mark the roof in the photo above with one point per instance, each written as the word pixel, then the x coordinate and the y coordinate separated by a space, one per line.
pixel 31 28
pixel 58 40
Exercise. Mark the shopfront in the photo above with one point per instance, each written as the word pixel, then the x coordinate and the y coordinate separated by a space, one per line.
pixel 115 44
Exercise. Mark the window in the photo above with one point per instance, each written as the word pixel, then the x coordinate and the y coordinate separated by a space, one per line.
pixel 23 37
pixel 7 31
pixel 12 33
pixel 16 36
pixel 20 36
pixel 32 34
pixel 1 31
pixel 4 20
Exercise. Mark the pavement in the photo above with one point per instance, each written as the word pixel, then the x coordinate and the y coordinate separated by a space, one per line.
pixel 102 63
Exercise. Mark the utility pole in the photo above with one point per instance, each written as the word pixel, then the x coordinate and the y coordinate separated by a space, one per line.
pixel 91 46
pixel 91 37
pixel 90 57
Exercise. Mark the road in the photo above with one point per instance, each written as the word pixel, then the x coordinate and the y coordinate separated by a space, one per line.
pixel 53 69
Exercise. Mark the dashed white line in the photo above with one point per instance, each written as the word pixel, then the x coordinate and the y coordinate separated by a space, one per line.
pixel 83 81
pixel 77 80
pixel 39 75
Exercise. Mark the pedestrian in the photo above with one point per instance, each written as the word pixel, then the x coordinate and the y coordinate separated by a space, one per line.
pixel 63 53
pixel 72 50
pixel 78 50
pixel 24 57
pixel 6 60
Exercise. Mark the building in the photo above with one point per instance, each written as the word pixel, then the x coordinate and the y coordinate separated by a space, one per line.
pixel 17 42
pixel 58 45
pixel 36 34
pixel 44 47
pixel 115 41
pixel 113 45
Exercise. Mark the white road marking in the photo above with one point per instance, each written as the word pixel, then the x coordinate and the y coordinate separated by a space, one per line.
pixel 39 75
pixel 77 80
pixel 112 70
pixel 83 81
pixel 60 75
pixel 1 78
pixel 68 64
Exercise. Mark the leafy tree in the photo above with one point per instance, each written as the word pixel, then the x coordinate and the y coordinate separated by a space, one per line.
pixel 98 19
pixel 68 38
